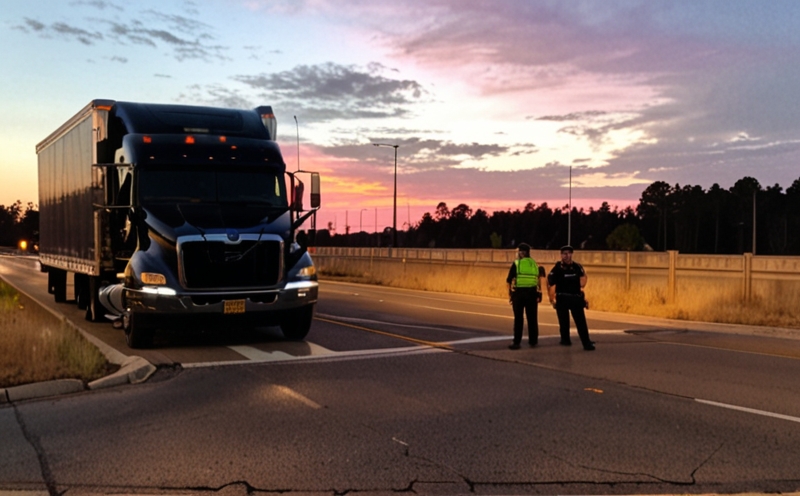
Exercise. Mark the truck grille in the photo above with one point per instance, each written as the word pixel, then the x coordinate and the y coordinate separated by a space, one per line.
pixel 210 264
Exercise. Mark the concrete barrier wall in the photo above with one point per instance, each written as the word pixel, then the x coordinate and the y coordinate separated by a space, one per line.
pixel 685 283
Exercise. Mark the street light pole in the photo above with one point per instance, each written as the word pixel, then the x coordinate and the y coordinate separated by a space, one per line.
pixel 394 205
pixel 754 222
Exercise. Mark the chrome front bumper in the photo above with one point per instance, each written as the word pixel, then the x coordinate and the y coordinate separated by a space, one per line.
pixel 161 300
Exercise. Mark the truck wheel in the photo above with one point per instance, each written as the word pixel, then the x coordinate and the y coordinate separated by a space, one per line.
pixel 297 323
pixel 81 282
pixel 57 284
pixel 138 331
pixel 94 309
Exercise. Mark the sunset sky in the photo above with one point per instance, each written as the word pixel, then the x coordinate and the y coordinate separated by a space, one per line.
pixel 490 102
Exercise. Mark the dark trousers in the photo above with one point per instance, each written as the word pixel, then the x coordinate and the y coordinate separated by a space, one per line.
pixel 572 303
pixel 526 301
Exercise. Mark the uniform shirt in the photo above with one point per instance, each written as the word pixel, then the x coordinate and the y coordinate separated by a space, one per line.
pixel 566 278
pixel 512 273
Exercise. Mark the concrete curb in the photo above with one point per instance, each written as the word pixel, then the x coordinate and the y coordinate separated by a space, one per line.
pixel 133 370
pixel 41 389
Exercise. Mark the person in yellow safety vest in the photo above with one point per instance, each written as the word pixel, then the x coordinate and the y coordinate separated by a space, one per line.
pixel 525 280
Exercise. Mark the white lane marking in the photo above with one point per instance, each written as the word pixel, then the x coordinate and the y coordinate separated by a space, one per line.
pixel 256 355
pixel 319 353
pixel 749 410
pixel 291 393
pixel 332 356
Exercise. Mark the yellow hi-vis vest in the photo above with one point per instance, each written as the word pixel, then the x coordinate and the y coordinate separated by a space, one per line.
pixel 527 273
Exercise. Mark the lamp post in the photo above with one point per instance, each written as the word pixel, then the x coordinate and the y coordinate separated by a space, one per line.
pixel 394 205
pixel 754 221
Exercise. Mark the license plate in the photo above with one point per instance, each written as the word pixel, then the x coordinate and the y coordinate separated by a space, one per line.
pixel 234 306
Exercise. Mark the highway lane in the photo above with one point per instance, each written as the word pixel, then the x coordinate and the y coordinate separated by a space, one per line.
pixel 444 317
pixel 355 320
pixel 443 422
pixel 399 390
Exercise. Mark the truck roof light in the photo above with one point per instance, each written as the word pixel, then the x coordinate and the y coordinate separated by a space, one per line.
pixel 147 139
pixel 190 140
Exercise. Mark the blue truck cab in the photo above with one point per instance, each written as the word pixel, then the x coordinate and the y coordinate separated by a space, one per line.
pixel 174 215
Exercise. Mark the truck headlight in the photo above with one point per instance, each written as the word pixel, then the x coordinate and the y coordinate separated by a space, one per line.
pixel 307 271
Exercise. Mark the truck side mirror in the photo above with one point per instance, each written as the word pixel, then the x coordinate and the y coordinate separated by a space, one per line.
pixel 315 194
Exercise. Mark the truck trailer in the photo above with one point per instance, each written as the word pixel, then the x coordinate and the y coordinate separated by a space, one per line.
pixel 174 215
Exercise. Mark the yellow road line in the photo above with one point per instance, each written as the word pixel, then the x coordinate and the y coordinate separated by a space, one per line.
pixel 422 342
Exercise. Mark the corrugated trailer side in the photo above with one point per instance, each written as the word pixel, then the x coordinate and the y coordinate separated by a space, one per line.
pixel 68 229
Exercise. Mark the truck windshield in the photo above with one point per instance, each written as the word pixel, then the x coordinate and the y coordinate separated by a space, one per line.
pixel 193 185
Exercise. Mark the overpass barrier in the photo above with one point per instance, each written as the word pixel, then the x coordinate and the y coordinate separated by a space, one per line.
pixel 688 285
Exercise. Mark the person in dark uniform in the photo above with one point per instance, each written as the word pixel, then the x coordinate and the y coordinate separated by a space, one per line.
pixel 566 281
pixel 524 281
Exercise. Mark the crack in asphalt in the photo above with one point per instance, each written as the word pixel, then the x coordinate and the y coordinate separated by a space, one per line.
pixel 709 457
pixel 33 440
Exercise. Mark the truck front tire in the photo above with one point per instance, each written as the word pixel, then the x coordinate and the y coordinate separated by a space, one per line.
pixel 297 323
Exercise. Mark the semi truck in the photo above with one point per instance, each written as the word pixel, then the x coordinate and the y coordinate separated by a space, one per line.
pixel 176 215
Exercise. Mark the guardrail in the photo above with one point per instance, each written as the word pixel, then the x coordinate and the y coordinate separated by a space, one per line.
pixel 751 276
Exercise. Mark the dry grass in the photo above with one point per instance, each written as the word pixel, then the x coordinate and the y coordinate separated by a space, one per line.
pixel 36 346
pixel 707 304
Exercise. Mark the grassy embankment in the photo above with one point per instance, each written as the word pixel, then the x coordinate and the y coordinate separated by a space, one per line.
pixel 36 346
pixel 709 304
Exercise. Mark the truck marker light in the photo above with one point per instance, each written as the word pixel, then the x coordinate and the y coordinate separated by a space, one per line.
pixel 147 139
pixel 190 140
pixel 223 139
pixel 153 278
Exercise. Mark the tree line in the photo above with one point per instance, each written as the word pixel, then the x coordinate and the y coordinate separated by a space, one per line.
pixel 687 218
pixel 18 223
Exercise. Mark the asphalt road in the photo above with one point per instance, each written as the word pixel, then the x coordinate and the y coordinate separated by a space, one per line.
pixel 398 390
